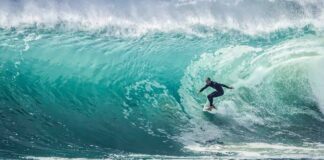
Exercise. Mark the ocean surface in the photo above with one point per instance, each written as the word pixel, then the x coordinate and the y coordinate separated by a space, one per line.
pixel 119 79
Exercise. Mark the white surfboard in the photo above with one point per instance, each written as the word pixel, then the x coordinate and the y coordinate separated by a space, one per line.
pixel 206 106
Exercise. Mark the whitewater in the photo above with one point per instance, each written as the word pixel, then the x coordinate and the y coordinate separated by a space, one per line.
pixel 119 79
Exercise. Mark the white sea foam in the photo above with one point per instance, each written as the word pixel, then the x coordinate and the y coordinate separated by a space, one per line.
pixel 142 16
pixel 263 150
pixel 239 151
pixel 316 81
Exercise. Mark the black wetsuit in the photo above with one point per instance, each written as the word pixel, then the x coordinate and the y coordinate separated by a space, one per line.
pixel 219 90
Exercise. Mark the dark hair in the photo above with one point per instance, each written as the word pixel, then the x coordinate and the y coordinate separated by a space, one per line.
pixel 208 79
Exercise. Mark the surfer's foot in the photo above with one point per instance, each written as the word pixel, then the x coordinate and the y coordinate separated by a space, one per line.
pixel 211 107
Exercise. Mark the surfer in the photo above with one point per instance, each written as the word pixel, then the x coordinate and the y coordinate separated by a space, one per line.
pixel 219 91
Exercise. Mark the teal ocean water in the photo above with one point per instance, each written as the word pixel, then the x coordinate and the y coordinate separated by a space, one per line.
pixel 119 79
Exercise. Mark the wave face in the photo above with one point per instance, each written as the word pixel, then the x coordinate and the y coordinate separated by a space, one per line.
pixel 119 79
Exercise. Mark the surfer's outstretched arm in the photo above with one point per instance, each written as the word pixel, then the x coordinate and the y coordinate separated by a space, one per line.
pixel 203 88
pixel 226 86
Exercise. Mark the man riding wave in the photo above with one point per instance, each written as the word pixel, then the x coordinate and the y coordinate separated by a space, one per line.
pixel 219 91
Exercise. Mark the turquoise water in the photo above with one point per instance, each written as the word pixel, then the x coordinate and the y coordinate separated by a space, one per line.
pixel 119 79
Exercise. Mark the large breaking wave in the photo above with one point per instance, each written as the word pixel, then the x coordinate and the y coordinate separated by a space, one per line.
pixel 102 79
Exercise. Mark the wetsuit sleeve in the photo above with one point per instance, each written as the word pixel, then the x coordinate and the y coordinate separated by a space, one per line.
pixel 203 88
pixel 223 85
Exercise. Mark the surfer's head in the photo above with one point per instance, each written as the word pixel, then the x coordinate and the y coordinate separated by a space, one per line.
pixel 208 80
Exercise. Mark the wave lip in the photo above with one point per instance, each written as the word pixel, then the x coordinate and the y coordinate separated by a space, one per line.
pixel 246 16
